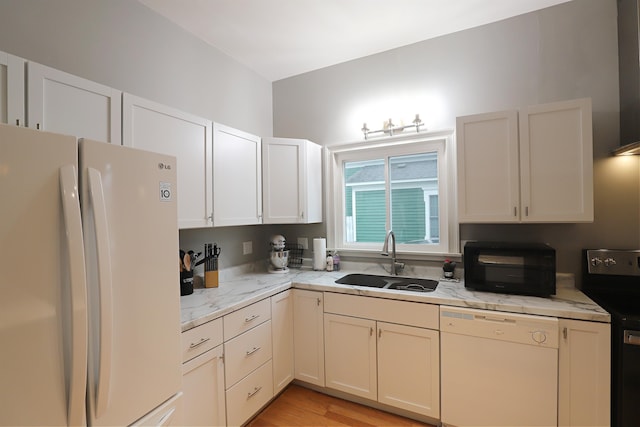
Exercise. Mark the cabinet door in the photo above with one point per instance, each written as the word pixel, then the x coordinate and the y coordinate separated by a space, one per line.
pixel 488 171
pixel 12 89
pixel 313 193
pixel 556 162
pixel 64 103
pixel 308 336
pixel 283 180
pixel 237 177
pixel 350 355
pixel 584 381
pixel 203 390
pixel 155 127
pixel 282 335
pixel 291 181
pixel 409 378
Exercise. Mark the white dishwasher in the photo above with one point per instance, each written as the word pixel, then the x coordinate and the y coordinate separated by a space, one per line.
pixel 498 369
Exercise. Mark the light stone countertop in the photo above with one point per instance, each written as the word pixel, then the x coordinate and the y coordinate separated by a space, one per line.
pixel 244 285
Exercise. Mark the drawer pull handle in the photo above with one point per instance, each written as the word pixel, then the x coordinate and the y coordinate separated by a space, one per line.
pixel 252 393
pixel 253 350
pixel 199 343
pixel 250 318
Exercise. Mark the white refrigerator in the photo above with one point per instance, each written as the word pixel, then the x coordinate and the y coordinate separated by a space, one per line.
pixel 89 281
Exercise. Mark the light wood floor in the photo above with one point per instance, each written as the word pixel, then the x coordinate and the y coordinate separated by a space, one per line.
pixel 299 406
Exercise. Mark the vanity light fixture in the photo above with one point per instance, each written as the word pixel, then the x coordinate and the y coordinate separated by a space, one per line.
pixel 628 150
pixel 390 129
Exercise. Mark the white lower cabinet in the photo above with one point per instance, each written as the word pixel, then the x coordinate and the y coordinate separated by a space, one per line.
pixel 248 356
pixel 409 368
pixel 350 355
pixel 308 333
pixel 374 348
pixel 369 356
pixel 584 382
pixel 282 339
pixel 246 397
pixel 203 375
pixel 203 390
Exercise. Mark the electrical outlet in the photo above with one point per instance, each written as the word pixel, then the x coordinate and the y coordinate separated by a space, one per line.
pixel 247 247
pixel 304 241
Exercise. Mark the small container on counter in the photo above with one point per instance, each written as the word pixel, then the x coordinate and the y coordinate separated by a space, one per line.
pixel 329 263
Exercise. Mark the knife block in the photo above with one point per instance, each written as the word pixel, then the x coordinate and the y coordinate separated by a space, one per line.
pixel 211 279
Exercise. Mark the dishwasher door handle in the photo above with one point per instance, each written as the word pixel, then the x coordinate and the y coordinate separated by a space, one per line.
pixel 495 319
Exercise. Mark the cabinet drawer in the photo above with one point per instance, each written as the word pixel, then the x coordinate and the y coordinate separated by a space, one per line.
pixel 249 395
pixel 386 310
pixel 246 318
pixel 201 338
pixel 246 352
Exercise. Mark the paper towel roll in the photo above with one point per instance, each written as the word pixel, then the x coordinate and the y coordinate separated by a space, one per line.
pixel 319 253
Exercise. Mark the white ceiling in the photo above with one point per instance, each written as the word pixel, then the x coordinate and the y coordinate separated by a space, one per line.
pixel 283 38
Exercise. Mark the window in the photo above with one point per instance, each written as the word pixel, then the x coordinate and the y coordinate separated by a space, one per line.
pixel 399 186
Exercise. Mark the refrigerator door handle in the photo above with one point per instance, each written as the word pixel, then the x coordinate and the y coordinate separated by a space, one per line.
pixel 167 418
pixel 68 179
pixel 96 196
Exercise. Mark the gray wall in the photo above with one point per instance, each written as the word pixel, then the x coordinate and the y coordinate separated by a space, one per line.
pixel 563 52
pixel 125 45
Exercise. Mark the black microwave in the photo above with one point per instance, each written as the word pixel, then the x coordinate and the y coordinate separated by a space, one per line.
pixel 512 268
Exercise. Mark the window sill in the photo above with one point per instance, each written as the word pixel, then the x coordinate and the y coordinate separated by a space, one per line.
pixel 370 255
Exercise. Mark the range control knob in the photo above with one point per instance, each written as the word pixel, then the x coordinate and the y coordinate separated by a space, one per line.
pixel 539 336
pixel 609 262
pixel 596 262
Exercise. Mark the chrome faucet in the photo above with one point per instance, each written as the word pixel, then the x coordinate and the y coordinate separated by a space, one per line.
pixel 395 266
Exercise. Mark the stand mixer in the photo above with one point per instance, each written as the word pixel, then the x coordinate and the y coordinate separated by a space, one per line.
pixel 278 256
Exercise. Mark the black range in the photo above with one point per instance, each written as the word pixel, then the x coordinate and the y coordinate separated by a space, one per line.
pixel 612 279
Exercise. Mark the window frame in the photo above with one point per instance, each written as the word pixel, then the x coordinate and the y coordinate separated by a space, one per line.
pixel 440 142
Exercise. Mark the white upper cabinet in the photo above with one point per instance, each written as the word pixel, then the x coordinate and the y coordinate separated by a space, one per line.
pixel 291 180
pixel 488 173
pixel 538 171
pixel 67 104
pixel 556 162
pixel 12 70
pixel 155 127
pixel 237 177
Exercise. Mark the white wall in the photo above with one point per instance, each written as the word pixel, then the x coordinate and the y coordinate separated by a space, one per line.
pixel 563 52
pixel 125 45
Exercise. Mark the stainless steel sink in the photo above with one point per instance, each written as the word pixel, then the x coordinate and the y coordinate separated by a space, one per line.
pixel 399 283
